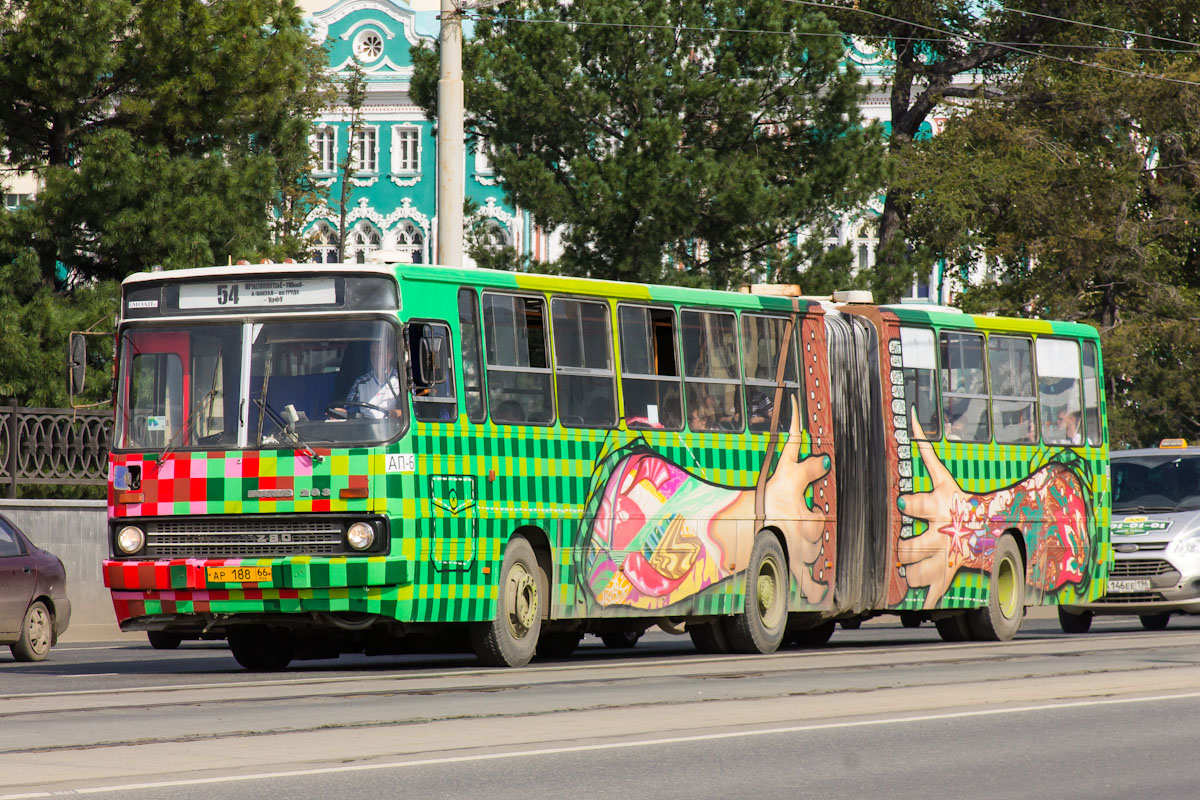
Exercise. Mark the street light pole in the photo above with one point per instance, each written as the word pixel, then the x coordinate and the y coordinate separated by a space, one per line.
pixel 450 148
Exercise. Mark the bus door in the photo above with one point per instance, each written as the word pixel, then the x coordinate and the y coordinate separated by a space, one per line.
pixel 451 493
pixel 157 387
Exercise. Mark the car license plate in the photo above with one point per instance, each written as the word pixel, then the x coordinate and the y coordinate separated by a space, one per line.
pixel 1129 585
pixel 238 574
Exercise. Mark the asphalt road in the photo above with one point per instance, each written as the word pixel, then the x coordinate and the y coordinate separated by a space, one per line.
pixel 878 712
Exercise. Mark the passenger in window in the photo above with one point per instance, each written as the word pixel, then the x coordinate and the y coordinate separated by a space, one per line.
pixel 761 404
pixel 1068 423
pixel 508 412
pixel 375 393
pixel 702 412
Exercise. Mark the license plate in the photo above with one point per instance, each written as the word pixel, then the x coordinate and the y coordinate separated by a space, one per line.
pixel 1128 585
pixel 238 574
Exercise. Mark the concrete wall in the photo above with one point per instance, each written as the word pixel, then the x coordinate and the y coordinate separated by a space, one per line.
pixel 75 531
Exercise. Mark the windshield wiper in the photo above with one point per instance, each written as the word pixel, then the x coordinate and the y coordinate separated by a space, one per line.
pixel 288 428
pixel 1144 509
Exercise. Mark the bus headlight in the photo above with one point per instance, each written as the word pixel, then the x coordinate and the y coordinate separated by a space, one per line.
pixel 130 539
pixel 360 535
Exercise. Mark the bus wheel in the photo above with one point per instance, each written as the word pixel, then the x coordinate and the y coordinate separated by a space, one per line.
pixel 910 619
pixel 760 627
pixel 558 645
pixel 1154 622
pixel 620 640
pixel 260 649
pixel 161 640
pixel 1074 623
pixel 709 637
pixel 815 636
pixel 511 638
pixel 953 628
pixel 1000 619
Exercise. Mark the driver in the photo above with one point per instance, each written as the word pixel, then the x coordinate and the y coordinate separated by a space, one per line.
pixel 376 391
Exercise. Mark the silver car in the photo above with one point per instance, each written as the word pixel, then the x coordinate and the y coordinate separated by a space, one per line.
pixel 1155 539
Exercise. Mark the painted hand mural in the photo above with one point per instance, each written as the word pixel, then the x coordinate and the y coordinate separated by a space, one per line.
pixel 1049 507
pixel 661 534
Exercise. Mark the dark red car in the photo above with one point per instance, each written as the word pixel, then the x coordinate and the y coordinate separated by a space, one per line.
pixel 34 608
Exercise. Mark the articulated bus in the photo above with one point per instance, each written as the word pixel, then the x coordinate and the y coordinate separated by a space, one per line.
pixel 320 459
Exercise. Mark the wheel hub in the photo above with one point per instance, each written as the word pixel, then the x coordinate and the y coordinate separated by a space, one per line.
pixel 522 601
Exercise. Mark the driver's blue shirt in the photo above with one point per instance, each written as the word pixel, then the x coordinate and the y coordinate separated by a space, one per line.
pixel 374 391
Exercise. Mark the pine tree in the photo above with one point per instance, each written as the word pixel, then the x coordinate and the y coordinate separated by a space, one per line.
pixel 165 132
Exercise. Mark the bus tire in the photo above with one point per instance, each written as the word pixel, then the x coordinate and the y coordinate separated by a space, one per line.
pixel 510 639
pixel 1074 623
pixel 261 649
pixel 1155 622
pixel 161 640
pixel 558 645
pixel 761 625
pixel 1001 618
pixel 815 636
pixel 620 640
pixel 709 638
pixel 954 627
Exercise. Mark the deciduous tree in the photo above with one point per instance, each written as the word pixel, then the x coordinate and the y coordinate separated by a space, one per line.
pixel 704 135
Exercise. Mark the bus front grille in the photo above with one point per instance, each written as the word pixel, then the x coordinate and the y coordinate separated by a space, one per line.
pixel 233 538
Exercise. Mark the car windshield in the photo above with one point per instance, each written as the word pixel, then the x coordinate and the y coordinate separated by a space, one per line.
pixel 310 382
pixel 1156 483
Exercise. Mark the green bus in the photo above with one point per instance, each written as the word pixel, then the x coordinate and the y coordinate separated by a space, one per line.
pixel 320 459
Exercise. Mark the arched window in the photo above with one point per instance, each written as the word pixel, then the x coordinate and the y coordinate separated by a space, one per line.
pixel 409 239
pixel 324 243
pixel 363 239
pixel 496 235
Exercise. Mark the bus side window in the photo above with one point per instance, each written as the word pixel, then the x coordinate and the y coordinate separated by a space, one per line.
pixel 583 363
pixel 468 324
pixel 964 387
pixel 433 394
pixel 763 340
pixel 919 358
pixel 712 373
pixel 649 368
pixel 1091 395
pixel 1059 391
pixel 518 359
pixel 1014 397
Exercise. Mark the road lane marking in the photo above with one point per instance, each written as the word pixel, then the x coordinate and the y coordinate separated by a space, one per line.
pixel 704 737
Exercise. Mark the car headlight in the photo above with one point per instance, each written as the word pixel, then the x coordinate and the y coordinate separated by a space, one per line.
pixel 1187 545
pixel 360 535
pixel 130 539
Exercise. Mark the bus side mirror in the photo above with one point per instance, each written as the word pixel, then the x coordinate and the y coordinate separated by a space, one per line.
pixel 431 357
pixel 76 364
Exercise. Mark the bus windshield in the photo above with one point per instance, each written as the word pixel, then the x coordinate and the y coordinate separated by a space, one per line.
pixel 1156 483
pixel 305 382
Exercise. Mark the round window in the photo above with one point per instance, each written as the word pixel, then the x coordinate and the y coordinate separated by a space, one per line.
pixel 368 46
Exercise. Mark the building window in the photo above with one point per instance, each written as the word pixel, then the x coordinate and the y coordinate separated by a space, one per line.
pixel 363 239
pixel 409 240
pixel 406 149
pixel 324 243
pixel 365 150
pixel 368 46
pixel 324 143
pixel 483 161
pixel 13 201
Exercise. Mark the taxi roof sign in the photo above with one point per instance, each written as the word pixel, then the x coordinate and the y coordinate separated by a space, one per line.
pixel 1172 444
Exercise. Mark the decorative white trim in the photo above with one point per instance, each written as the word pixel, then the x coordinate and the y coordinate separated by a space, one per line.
pixel 413 181
pixel 364 182
pixel 490 209
pixel 350 31
pixel 406 17
pixel 486 180
pixel 362 211
pixel 326 183
pixel 390 69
